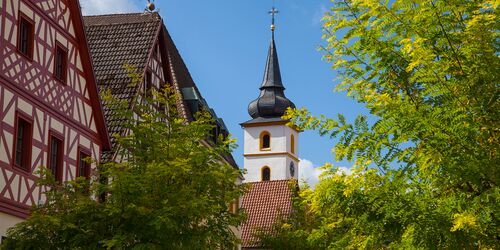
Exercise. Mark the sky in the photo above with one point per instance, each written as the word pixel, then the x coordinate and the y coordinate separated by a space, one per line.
pixel 224 44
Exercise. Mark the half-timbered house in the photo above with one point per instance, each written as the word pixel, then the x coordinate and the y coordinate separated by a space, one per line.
pixel 49 104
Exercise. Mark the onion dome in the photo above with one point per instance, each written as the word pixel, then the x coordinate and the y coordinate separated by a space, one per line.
pixel 272 101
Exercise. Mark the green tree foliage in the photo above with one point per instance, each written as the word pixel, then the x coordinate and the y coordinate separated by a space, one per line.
pixel 292 229
pixel 173 191
pixel 426 172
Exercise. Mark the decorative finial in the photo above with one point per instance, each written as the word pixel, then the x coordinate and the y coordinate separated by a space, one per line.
pixel 273 12
pixel 150 6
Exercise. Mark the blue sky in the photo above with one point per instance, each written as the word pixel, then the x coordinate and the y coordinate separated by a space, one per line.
pixel 224 44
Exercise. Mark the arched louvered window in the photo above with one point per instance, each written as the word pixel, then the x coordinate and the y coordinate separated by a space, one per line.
pixel 266 173
pixel 265 141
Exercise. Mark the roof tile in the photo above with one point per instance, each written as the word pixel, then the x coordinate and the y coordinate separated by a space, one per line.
pixel 263 203
pixel 116 40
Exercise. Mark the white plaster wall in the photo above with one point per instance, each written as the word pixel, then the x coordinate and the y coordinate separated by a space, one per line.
pixel 278 160
pixel 7 221
pixel 278 140
pixel 254 164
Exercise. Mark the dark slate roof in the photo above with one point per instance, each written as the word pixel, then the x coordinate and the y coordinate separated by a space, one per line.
pixel 264 203
pixel 263 120
pixel 181 78
pixel 115 40
pixel 272 101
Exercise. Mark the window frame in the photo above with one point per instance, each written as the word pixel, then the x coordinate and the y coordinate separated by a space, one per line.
pixel 262 173
pixel 148 83
pixel 261 139
pixel 234 206
pixel 59 173
pixel 156 51
pixel 31 36
pixel 87 171
pixel 292 144
pixel 64 74
pixel 27 142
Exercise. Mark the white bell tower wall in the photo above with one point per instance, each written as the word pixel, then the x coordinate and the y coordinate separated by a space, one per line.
pixel 278 156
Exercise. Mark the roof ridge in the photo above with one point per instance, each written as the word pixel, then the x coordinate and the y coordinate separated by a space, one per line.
pixel 253 182
pixel 121 18
pixel 115 14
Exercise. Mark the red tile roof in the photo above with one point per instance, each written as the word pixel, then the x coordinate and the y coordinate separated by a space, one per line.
pixel 263 203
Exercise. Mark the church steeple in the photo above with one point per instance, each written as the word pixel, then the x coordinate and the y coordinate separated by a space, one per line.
pixel 271 147
pixel 272 101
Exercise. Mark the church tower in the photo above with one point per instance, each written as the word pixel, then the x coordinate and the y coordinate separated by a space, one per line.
pixel 270 151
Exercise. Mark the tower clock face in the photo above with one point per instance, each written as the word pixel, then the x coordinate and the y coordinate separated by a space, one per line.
pixel 292 168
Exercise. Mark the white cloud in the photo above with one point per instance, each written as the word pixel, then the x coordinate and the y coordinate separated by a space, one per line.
pixel 99 7
pixel 319 14
pixel 310 173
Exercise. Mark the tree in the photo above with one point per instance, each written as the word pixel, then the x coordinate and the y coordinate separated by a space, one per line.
pixel 426 171
pixel 173 191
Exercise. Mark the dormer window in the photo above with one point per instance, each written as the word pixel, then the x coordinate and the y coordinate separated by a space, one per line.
pixel 266 174
pixel 26 36
pixel 265 141
pixel 193 100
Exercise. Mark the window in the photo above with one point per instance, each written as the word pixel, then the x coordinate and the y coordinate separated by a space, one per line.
pixel 83 165
pixel 22 153
pixel 148 83
pixel 156 51
pixel 235 206
pixel 266 174
pixel 60 63
pixel 292 144
pixel 26 36
pixel 265 141
pixel 55 157
pixel 214 134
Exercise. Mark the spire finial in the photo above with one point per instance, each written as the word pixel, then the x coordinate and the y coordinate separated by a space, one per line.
pixel 273 12
pixel 272 102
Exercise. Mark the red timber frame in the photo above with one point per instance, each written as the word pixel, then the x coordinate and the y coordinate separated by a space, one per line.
pixel 72 111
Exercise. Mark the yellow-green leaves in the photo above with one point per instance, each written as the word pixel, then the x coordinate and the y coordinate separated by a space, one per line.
pixel 463 221
pixel 426 163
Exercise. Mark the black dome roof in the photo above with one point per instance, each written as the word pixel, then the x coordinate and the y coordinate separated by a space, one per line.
pixel 272 101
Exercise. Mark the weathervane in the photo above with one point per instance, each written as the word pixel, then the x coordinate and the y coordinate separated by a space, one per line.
pixel 273 12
